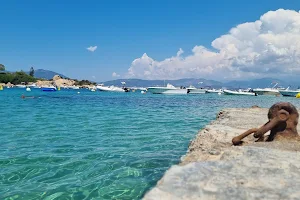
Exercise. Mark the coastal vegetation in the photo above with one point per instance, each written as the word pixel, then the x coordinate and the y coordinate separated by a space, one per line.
pixel 16 78
pixel 29 77
pixel 84 82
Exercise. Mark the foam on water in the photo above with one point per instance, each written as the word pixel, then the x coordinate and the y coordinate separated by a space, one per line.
pixel 94 145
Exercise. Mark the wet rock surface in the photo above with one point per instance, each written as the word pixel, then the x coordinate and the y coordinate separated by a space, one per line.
pixel 215 169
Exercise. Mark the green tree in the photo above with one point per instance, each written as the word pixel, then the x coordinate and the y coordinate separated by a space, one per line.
pixel 5 78
pixel 31 72
pixel 2 67
pixel 84 82
pixel 19 77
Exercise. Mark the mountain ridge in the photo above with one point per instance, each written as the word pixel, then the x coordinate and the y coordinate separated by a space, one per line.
pixel 46 74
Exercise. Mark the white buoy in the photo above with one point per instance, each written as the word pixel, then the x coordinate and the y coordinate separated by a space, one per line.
pixel 78 92
pixel 143 92
pixel 219 93
pixel 28 89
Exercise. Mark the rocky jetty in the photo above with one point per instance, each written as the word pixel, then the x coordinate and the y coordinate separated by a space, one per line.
pixel 215 169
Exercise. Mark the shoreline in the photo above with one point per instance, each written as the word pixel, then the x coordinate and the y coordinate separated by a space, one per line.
pixel 212 166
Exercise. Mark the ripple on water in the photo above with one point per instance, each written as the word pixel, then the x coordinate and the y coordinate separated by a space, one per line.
pixel 98 145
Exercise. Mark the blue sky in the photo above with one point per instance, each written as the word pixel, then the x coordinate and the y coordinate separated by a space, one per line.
pixel 54 34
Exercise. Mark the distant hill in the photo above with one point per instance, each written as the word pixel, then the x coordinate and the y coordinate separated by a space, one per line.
pixel 200 82
pixel 46 74
pixel 180 82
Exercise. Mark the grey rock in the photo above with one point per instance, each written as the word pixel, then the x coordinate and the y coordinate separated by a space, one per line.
pixel 214 169
pixel 241 173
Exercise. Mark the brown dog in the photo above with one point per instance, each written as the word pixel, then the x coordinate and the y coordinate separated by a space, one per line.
pixel 283 120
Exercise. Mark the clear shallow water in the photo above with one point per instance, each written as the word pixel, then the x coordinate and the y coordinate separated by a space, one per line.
pixel 65 145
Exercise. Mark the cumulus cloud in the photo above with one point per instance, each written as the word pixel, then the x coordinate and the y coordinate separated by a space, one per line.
pixel 114 74
pixel 266 47
pixel 92 48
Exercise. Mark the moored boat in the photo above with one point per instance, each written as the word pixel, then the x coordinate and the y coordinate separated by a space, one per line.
pixel 73 87
pixel 112 88
pixel 177 91
pixel 267 91
pixel 20 86
pixel 214 91
pixel 193 90
pixel 289 93
pixel 239 92
pixel 33 85
pixel 160 90
pixel 48 88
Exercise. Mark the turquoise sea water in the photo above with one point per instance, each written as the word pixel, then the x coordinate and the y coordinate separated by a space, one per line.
pixel 95 145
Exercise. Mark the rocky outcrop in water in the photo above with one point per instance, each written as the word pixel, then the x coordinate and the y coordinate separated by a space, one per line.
pixel 215 169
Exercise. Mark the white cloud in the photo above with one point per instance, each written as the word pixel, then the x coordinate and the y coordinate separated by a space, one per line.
pixel 180 52
pixel 266 47
pixel 114 74
pixel 92 48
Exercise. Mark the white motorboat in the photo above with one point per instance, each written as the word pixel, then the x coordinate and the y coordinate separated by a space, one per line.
pixel 214 91
pixel 112 88
pixel 289 93
pixel 21 86
pixel 160 90
pixel 93 88
pixel 193 90
pixel 267 91
pixel 73 87
pixel 239 92
pixel 33 85
pixel 177 91
pixel 138 88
